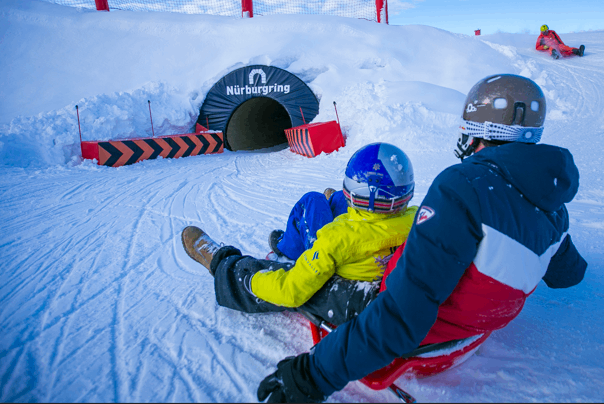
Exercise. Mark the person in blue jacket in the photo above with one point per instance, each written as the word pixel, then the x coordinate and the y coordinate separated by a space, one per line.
pixel 488 230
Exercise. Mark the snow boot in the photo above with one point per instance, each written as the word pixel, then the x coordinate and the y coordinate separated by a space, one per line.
pixel 579 51
pixel 199 245
pixel 273 240
pixel 555 54
pixel 329 192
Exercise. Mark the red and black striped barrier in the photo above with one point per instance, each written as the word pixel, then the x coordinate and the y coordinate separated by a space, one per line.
pixel 116 153
pixel 315 138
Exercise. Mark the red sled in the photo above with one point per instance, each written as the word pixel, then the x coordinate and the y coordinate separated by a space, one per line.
pixel 429 360
pixel 422 365
pixel 426 360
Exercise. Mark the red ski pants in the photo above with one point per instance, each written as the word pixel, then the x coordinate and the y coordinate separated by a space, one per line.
pixel 560 47
pixel 564 50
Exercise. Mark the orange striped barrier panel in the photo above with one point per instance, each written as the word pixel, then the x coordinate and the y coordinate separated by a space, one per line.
pixel 116 153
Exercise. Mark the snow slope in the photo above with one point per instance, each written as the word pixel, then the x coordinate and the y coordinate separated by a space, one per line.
pixel 99 302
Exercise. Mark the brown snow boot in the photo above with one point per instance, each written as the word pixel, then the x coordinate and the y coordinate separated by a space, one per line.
pixel 329 192
pixel 199 245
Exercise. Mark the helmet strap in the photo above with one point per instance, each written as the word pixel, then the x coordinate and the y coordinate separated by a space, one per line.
pixel 372 192
pixel 466 146
pixel 373 182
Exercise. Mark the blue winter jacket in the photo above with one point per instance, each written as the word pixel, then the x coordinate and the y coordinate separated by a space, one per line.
pixel 512 194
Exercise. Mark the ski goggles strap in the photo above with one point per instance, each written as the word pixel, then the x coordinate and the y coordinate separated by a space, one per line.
pixel 381 203
pixel 497 131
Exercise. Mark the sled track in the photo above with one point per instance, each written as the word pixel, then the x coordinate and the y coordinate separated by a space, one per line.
pixel 134 274
pixel 99 302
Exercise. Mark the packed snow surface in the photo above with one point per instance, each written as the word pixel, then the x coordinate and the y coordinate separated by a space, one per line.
pixel 98 300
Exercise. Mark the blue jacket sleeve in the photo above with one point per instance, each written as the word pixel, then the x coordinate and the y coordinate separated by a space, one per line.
pixel 567 267
pixel 438 251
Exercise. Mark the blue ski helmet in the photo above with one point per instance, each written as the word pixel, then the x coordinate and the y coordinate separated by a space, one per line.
pixel 379 178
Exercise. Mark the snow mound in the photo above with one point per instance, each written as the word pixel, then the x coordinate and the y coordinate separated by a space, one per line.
pixel 387 81
pixel 98 300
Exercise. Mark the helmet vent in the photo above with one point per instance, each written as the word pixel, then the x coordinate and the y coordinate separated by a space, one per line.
pixel 500 103
pixel 512 106
pixel 519 109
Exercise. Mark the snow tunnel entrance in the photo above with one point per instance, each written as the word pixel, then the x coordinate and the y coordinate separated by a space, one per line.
pixel 254 105
pixel 257 123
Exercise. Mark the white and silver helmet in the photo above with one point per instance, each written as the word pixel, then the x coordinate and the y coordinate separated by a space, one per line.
pixel 504 107
pixel 379 178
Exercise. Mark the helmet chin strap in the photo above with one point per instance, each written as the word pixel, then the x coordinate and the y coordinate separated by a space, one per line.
pixel 372 192
pixel 466 146
pixel 373 179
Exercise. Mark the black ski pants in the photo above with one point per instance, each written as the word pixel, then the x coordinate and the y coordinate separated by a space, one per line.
pixel 338 301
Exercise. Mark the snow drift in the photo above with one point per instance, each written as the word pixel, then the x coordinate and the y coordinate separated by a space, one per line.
pixel 98 301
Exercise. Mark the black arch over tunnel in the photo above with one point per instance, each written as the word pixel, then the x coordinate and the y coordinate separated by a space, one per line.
pixel 224 110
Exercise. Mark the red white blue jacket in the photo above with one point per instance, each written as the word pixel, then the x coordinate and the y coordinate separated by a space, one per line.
pixel 487 232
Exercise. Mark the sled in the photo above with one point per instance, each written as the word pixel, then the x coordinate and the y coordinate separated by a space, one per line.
pixel 427 360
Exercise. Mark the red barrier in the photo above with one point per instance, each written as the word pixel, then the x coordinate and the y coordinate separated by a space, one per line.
pixel 102 5
pixel 381 7
pixel 315 138
pixel 247 8
pixel 116 153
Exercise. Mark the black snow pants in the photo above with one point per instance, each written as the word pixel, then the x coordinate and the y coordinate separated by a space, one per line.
pixel 338 301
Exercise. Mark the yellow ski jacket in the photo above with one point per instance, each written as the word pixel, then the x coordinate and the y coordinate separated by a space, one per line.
pixel 356 245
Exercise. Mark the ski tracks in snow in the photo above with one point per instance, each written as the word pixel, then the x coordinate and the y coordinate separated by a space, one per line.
pixel 99 301
pixel 575 100
pixel 122 313
pixel 83 267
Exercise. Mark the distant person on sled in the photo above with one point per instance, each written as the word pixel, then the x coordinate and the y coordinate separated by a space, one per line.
pixel 340 241
pixel 487 232
pixel 550 42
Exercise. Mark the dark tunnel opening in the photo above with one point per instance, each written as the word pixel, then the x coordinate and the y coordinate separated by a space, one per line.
pixel 257 123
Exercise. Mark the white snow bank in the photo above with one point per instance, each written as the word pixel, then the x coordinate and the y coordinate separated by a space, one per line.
pixel 98 300
pixel 111 64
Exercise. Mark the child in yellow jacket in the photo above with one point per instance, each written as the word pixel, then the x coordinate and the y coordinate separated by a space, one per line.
pixel 338 271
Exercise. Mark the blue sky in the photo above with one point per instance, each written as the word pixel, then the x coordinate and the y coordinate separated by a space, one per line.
pixel 464 16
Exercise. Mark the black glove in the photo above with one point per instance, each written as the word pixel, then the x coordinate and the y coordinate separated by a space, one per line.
pixel 291 383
